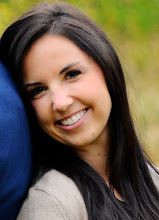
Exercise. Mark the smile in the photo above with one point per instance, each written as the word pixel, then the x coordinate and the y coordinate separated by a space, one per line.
pixel 73 119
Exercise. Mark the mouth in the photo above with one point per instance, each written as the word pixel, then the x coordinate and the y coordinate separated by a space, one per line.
pixel 73 120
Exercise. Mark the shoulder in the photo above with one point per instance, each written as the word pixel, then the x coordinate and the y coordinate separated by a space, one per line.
pixel 54 196
pixel 154 175
pixel 15 148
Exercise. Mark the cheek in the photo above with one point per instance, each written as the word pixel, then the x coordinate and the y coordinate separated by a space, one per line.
pixel 102 102
pixel 41 110
pixel 98 92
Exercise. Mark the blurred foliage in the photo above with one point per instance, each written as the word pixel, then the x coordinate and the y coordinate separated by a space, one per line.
pixel 133 27
pixel 128 17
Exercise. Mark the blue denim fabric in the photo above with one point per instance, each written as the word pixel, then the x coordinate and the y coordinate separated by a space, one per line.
pixel 15 149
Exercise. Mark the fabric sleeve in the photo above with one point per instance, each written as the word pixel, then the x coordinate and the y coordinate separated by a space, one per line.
pixel 155 176
pixel 41 206
pixel 15 149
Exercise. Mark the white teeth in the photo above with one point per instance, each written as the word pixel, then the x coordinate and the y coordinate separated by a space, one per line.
pixel 73 119
pixel 69 121
pixel 64 122
pixel 79 115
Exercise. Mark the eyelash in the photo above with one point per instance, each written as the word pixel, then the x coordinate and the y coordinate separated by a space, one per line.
pixel 36 91
pixel 72 74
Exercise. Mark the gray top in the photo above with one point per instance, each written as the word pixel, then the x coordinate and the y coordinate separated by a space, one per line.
pixel 154 176
pixel 56 197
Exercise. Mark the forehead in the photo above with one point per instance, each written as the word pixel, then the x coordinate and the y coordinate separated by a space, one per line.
pixel 53 50
pixel 56 47
pixel 53 53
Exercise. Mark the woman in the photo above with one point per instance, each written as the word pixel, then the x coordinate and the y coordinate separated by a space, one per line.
pixel 92 164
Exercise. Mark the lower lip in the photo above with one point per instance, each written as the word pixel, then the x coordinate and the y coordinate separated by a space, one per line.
pixel 75 125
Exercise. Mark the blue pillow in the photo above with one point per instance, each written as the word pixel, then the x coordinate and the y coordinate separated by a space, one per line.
pixel 15 149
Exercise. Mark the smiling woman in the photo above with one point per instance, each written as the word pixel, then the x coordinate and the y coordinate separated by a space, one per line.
pixel 91 163
pixel 59 76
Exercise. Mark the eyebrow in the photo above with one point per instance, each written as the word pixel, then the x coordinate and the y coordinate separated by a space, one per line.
pixel 32 84
pixel 67 67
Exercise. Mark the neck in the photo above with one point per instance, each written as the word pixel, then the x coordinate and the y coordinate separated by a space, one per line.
pixel 96 158
pixel 95 154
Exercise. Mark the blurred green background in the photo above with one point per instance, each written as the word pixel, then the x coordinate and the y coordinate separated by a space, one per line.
pixel 133 28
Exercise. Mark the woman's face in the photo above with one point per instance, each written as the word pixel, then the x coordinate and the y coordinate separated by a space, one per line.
pixel 68 92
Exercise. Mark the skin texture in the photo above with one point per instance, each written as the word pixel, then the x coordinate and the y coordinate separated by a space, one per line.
pixel 56 96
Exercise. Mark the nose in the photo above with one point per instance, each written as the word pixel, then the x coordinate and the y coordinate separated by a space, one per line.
pixel 61 100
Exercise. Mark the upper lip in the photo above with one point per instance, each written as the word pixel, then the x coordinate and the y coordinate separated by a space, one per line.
pixel 68 116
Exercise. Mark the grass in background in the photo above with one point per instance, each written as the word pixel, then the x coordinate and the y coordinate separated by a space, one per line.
pixel 133 27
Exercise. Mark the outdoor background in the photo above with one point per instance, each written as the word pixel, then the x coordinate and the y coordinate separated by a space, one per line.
pixel 133 28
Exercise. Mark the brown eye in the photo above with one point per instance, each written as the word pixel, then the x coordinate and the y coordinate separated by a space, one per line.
pixel 72 74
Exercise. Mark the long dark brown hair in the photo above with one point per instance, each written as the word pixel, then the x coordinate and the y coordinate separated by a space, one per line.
pixel 127 165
